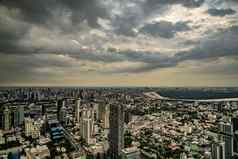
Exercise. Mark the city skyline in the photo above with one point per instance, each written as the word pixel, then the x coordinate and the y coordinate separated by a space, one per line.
pixel 176 43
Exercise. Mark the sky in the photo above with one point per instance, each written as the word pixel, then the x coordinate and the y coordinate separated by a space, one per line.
pixel 119 43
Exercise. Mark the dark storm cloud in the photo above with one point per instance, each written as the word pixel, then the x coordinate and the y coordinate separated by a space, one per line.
pixel 221 12
pixel 165 29
pixel 14 29
pixel 40 12
pixel 11 32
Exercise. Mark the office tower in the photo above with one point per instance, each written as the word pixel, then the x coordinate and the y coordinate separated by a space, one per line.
pixel 56 131
pixel 14 117
pixel 116 134
pixel 77 110
pixel 7 118
pixel 218 150
pixel 63 115
pixel 28 126
pixel 87 124
pixel 226 135
pixel 104 112
pixel 235 136
pixel 86 130
pixel 131 153
pixel 18 115
pixel 95 107
pixel 21 114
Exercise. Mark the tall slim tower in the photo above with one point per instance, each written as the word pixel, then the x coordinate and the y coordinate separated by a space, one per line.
pixel 21 112
pixel 77 110
pixel 218 150
pixel 226 135
pixel 63 115
pixel 7 120
pixel 235 136
pixel 104 113
pixel 116 134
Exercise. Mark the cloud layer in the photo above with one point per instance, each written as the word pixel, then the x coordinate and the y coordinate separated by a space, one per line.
pixel 47 40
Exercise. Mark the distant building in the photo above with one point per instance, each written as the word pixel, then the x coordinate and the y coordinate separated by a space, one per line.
pixel 77 110
pixel 39 152
pixel 63 115
pixel 130 153
pixel 7 118
pixel 116 133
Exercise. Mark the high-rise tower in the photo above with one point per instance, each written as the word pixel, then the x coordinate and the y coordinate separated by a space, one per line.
pixel 116 134
pixel 7 118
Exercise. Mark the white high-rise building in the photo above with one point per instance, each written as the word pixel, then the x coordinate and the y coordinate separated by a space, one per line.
pixel 28 126
pixel 86 130
pixel 77 111
pixel 32 128
pixel 87 125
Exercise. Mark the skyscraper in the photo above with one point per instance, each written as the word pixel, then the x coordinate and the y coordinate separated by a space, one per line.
pixel 235 135
pixel 104 115
pixel 116 134
pixel 226 135
pixel 63 115
pixel 18 115
pixel 21 114
pixel 77 110
pixel 87 124
pixel 218 150
pixel 7 118
pixel 86 133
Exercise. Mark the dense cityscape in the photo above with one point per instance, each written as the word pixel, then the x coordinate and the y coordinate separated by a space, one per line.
pixel 114 123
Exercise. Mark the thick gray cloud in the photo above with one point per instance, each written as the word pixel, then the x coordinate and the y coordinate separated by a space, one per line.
pixel 165 29
pixel 221 12
pixel 41 11
pixel 30 29
pixel 222 44
pixel 219 45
